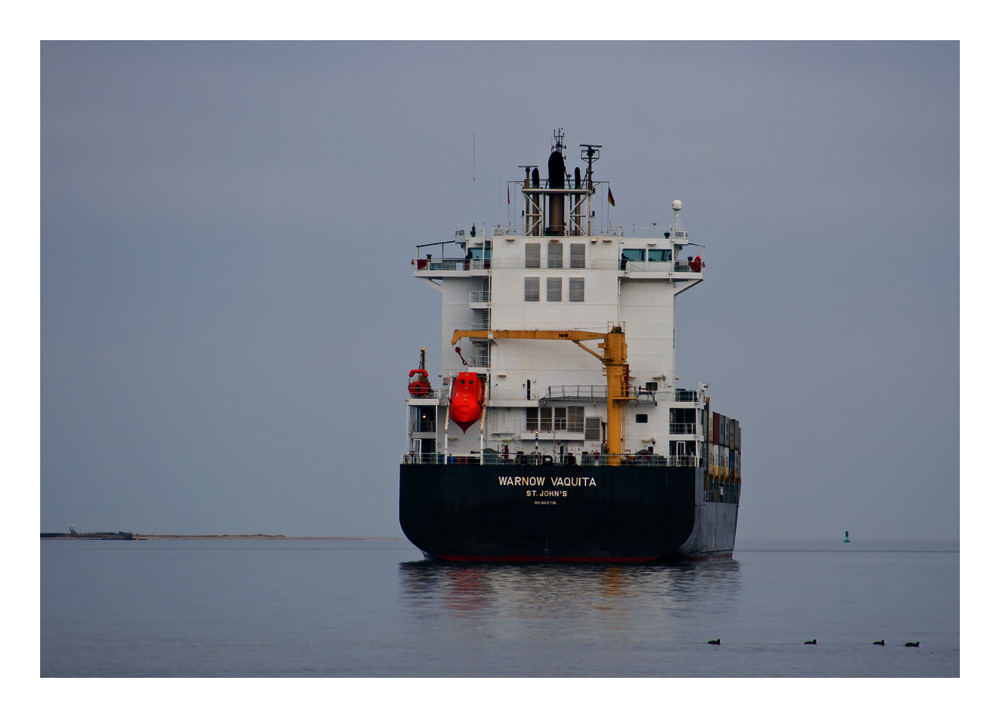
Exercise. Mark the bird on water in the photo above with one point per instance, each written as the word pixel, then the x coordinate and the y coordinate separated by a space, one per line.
pixel 913 645
pixel 810 643
pixel 879 643
pixel 716 642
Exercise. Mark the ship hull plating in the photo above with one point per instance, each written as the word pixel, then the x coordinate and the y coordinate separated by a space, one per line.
pixel 561 513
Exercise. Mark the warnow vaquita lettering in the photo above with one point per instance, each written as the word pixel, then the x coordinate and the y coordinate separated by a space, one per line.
pixel 552 480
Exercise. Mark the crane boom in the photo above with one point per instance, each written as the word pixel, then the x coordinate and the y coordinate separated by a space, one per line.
pixel 614 357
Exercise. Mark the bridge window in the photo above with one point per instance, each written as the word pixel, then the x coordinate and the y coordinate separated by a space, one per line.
pixel 659 255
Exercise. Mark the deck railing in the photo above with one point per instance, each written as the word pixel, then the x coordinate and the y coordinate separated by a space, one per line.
pixel 460 264
pixel 493 458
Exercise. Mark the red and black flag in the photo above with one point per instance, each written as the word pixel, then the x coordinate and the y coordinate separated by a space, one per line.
pixel 611 198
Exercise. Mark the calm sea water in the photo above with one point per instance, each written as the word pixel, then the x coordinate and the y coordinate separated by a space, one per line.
pixel 375 608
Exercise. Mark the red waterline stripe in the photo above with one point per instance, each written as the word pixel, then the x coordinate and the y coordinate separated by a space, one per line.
pixel 547 559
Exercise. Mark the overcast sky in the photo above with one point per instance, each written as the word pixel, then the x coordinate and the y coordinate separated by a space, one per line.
pixel 228 314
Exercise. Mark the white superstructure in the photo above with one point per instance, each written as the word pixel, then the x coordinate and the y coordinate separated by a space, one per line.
pixel 558 272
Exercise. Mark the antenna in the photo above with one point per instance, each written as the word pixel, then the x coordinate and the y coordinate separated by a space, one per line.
pixel 558 135
pixel 473 178
pixel 590 153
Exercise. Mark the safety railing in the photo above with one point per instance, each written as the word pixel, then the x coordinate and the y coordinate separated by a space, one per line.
pixel 460 264
pixel 683 429
pixel 423 426
pixel 421 391
pixel 593 392
pixel 496 458
pixel 574 392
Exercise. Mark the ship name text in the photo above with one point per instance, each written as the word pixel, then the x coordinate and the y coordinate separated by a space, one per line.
pixel 585 481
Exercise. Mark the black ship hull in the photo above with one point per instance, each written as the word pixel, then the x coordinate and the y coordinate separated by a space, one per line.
pixel 559 513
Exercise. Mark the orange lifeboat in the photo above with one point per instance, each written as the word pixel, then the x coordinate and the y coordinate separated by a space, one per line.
pixel 467 396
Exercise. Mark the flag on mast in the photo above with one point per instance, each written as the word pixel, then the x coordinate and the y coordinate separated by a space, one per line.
pixel 611 198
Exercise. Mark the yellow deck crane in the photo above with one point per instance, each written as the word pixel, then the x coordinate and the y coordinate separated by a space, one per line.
pixel 614 358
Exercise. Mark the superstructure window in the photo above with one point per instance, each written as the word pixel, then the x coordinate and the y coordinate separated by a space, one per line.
pixel 560 418
pixel 634 255
pixel 533 255
pixel 592 430
pixel 574 418
pixel 422 419
pixel 659 255
pixel 553 289
pixel 577 256
pixel 538 419
pixel 555 255
pixel 576 289
pixel 531 289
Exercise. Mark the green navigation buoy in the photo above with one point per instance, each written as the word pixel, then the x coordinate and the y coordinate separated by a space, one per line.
pixel 846 540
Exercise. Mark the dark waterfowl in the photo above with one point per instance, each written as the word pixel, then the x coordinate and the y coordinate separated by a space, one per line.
pixel 879 643
pixel 913 645
pixel 716 642
pixel 811 643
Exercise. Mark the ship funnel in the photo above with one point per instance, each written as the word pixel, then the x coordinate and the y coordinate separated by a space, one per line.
pixel 557 203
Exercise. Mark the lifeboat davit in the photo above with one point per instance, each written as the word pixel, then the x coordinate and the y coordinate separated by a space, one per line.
pixel 467 395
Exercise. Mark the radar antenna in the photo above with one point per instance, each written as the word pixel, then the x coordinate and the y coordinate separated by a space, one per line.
pixel 591 153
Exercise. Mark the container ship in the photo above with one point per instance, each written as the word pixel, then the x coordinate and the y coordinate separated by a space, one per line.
pixel 555 431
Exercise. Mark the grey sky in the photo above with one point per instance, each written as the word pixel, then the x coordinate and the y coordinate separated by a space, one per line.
pixel 228 315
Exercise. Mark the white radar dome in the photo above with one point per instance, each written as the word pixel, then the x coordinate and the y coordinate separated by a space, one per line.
pixel 677 205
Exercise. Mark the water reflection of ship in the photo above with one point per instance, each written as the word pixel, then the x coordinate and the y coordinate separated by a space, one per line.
pixel 538 592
